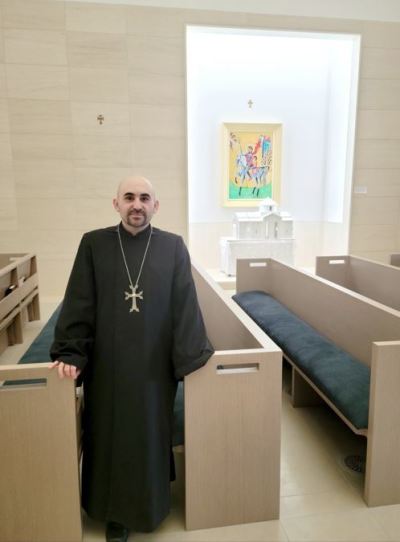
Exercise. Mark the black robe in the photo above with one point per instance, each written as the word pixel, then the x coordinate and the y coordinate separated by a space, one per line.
pixel 131 362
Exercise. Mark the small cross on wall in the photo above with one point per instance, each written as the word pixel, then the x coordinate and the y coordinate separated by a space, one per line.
pixel 100 118
pixel 250 103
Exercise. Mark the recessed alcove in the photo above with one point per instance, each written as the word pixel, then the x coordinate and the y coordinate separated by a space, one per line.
pixel 307 82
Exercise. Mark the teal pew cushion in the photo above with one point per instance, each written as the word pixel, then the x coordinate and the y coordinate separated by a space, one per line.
pixel 39 352
pixel 340 376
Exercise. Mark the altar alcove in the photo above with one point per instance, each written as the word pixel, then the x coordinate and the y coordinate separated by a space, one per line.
pixel 307 83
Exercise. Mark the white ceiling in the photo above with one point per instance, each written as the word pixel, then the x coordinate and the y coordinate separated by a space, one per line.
pixel 377 10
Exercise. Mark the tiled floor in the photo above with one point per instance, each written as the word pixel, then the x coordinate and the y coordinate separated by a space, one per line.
pixel 321 500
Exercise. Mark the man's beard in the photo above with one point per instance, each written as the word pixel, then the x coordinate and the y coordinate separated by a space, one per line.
pixel 133 219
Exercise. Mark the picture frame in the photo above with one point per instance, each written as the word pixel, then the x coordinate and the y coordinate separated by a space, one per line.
pixel 251 163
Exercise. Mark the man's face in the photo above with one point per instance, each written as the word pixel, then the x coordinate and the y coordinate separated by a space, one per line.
pixel 136 204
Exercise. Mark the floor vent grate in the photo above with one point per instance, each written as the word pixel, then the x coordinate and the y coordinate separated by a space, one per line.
pixel 355 463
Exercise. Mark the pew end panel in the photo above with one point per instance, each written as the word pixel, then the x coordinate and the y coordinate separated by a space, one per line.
pixel 333 268
pixel 382 483
pixel 39 467
pixel 232 419
pixel 232 439
pixel 253 274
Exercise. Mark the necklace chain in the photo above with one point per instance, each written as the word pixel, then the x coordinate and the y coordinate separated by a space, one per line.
pixel 144 257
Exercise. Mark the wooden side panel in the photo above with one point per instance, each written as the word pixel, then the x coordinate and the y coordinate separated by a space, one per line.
pixel 303 395
pixel 334 268
pixel 374 280
pixel 253 274
pixel 228 327
pixel 395 260
pixel 232 419
pixel 232 440
pixel 382 483
pixel 39 490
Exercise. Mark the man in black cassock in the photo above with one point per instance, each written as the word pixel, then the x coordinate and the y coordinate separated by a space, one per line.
pixel 131 323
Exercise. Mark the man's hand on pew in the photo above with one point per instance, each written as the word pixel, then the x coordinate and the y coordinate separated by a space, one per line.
pixel 64 369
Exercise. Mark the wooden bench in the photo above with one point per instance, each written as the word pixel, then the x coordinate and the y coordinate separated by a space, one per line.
pixel 232 434
pixel 375 280
pixel 19 296
pixel 363 329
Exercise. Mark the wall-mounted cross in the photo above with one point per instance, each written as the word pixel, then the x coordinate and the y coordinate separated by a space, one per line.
pixel 250 103
pixel 100 118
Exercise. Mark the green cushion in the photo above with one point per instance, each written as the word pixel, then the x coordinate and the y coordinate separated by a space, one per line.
pixel 39 352
pixel 340 376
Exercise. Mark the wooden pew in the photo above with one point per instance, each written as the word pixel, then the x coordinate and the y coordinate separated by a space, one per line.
pixel 375 280
pixel 19 296
pixel 365 329
pixel 232 435
pixel 232 419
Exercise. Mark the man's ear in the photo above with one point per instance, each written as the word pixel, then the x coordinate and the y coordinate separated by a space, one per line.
pixel 115 204
pixel 156 205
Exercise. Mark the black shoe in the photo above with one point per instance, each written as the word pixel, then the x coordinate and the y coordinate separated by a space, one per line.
pixel 115 532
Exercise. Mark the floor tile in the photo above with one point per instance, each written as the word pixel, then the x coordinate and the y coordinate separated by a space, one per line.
pixel 321 503
pixel 389 518
pixel 351 526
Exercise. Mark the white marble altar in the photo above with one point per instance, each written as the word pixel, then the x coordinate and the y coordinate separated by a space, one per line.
pixel 266 233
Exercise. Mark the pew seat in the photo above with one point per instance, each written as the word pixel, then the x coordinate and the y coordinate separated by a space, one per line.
pixel 343 379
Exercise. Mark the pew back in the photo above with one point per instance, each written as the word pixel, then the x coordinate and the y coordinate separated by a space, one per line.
pixel 375 280
pixel 345 317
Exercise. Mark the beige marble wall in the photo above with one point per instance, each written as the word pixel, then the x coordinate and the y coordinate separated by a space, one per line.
pixel 62 64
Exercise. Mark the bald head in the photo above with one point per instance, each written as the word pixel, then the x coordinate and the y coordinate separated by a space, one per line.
pixel 136 203
pixel 135 181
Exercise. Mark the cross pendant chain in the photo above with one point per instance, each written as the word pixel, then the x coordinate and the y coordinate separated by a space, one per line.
pixel 133 296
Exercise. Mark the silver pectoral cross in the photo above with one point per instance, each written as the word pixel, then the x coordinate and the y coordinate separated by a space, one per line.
pixel 133 296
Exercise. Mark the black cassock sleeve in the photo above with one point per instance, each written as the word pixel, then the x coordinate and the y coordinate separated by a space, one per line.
pixel 191 347
pixel 74 331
